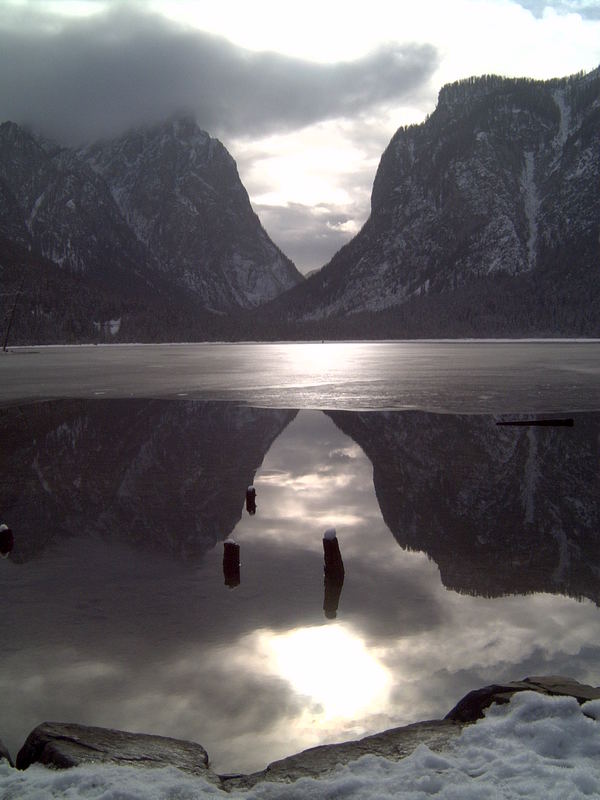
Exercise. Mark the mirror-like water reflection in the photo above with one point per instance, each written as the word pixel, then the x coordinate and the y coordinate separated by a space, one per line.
pixel 470 555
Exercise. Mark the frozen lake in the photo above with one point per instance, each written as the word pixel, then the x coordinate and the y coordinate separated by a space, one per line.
pixel 470 549
pixel 488 377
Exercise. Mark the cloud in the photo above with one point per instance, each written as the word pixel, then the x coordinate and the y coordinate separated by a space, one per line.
pixel 309 235
pixel 78 79
pixel 585 9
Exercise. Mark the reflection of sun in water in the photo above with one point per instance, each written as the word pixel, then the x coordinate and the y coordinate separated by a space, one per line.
pixel 332 667
pixel 322 361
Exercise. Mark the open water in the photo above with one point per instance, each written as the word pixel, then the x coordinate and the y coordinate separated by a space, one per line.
pixel 470 549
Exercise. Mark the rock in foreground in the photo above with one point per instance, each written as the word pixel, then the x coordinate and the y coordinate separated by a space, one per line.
pixel 63 745
pixel 472 705
pixel 317 762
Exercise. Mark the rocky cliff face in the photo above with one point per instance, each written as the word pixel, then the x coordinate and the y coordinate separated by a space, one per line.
pixel 499 187
pixel 501 510
pixel 180 193
pixel 156 225
pixel 64 212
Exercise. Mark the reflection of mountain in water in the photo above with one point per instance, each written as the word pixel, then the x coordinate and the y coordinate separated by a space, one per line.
pixel 168 474
pixel 501 510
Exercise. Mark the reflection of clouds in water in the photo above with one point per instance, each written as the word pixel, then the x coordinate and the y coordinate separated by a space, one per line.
pixel 221 696
pixel 483 641
pixel 344 456
pixel 164 647
pixel 234 695
pixel 424 634
pixel 515 626
pixel 339 682
pixel 313 477
pixel 430 639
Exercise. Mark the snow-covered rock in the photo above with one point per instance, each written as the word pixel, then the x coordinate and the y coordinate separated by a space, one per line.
pixel 534 746
pixel 63 745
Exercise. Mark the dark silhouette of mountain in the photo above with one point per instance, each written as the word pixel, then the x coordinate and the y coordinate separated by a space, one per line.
pixel 501 510
pixel 167 475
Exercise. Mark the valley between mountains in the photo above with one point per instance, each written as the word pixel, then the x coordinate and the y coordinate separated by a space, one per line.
pixel 485 222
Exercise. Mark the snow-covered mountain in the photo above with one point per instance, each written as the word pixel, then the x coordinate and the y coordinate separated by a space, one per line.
pixel 63 211
pixel 493 199
pixel 485 221
pixel 180 193
pixel 154 224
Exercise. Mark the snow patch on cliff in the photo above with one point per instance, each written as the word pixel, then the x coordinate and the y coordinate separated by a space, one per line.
pixel 531 204
pixel 564 126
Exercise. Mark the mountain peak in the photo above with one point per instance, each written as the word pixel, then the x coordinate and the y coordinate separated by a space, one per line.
pixel 13 134
pixel 9 128
pixel 158 214
pixel 180 127
pixel 180 192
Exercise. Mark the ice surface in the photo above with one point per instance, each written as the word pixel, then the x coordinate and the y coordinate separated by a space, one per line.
pixel 534 747
pixel 449 376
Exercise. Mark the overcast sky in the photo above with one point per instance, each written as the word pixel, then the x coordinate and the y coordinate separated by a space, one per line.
pixel 305 95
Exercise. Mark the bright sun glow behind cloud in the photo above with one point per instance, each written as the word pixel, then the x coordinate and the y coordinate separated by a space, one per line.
pixel 297 178
pixel 473 36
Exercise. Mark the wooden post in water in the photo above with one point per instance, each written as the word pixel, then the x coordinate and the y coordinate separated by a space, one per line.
pixel 231 563
pixel 251 500
pixel 334 573
pixel 334 566
pixel 6 541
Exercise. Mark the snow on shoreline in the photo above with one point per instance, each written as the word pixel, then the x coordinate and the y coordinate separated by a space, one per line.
pixel 535 747
pixel 465 340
